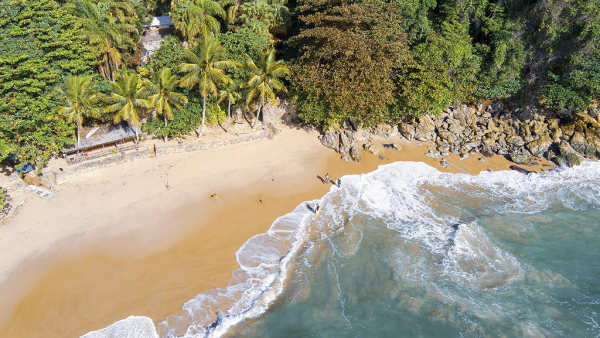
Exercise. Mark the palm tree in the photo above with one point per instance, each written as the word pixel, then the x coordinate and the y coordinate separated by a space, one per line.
pixel 105 32
pixel 80 98
pixel 229 94
pixel 162 86
pixel 195 18
pixel 206 70
pixel 128 99
pixel 264 80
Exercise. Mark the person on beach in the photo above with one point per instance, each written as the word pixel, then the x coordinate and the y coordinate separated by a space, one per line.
pixel 327 178
pixel 316 209
pixel 338 182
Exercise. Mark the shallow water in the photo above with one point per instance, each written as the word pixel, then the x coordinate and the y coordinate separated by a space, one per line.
pixel 409 251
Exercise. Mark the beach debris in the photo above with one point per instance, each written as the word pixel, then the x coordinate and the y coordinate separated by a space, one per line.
pixel 521 170
pixel 444 163
pixel 215 196
pixel 481 159
pixel 261 201
pixel 381 158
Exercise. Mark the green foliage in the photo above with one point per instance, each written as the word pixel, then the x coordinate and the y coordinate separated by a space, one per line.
pixel 184 120
pixel 215 113
pixel 4 200
pixel 171 54
pixel 348 57
pixel 557 96
pixel 40 43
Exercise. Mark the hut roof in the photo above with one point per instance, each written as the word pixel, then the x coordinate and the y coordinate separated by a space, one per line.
pixel 106 134
pixel 160 21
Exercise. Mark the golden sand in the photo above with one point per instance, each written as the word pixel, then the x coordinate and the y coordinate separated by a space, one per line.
pixel 150 250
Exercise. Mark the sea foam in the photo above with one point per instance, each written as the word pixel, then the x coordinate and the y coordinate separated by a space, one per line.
pixel 440 240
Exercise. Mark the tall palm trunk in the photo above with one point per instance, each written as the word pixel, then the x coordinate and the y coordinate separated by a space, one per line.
pixel 228 115
pixel 165 115
pixel 203 115
pixel 258 112
pixel 77 136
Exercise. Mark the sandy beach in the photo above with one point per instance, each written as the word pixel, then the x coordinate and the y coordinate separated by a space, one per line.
pixel 116 242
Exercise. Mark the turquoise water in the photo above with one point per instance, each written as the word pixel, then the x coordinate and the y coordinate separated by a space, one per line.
pixel 407 251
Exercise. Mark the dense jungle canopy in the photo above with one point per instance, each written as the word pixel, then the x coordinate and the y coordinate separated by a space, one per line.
pixel 370 60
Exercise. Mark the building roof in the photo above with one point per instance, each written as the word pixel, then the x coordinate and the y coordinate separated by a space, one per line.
pixel 160 21
pixel 106 134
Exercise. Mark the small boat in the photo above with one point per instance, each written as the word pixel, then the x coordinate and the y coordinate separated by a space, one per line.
pixel 40 192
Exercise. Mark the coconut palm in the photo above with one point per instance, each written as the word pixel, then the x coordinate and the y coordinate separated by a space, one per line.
pixel 205 70
pixel 230 94
pixel 78 94
pixel 106 33
pixel 195 18
pixel 128 99
pixel 264 79
pixel 162 87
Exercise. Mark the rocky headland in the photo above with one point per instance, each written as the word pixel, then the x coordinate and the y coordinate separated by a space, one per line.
pixel 562 137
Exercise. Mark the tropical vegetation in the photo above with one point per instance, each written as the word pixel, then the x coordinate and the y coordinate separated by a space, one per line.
pixel 372 60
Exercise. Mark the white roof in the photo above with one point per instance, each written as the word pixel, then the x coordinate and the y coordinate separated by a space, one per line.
pixel 161 21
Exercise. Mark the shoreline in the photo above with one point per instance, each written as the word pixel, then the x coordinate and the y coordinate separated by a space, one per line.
pixel 294 158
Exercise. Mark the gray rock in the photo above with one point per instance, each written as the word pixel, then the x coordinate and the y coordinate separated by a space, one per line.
pixel 330 139
pixel 573 160
pixel 425 130
pixel 565 148
pixel 578 142
pixel 345 143
pixel 385 130
pixel 371 148
pixel 539 146
pixel 355 154
pixel 407 131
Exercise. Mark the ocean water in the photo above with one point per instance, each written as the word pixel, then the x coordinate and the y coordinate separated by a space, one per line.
pixel 408 251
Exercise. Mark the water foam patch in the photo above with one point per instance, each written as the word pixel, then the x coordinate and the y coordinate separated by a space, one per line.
pixel 131 327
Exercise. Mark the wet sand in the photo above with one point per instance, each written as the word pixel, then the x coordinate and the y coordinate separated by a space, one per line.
pixel 149 258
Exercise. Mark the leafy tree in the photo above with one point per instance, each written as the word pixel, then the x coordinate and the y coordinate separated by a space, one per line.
pixel 40 43
pixel 274 17
pixel 128 99
pixel 230 94
pixel 206 70
pixel 264 79
pixel 349 56
pixel 80 98
pixel 194 18
pixel 162 86
pixel 106 33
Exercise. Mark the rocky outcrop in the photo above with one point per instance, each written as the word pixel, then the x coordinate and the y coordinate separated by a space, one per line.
pixel 559 136
pixel 520 134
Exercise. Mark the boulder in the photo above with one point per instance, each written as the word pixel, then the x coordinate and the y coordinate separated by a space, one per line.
pixel 578 142
pixel 568 129
pixel 573 160
pixel 515 141
pixel 407 131
pixel 357 124
pixel 215 196
pixel 519 158
pixel 425 130
pixel 539 146
pixel 593 143
pixel 392 146
pixel 559 160
pixel 371 148
pixel 346 140
pixel 565 148
pixel 330 139
pixel 385 130
pixel 355 154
